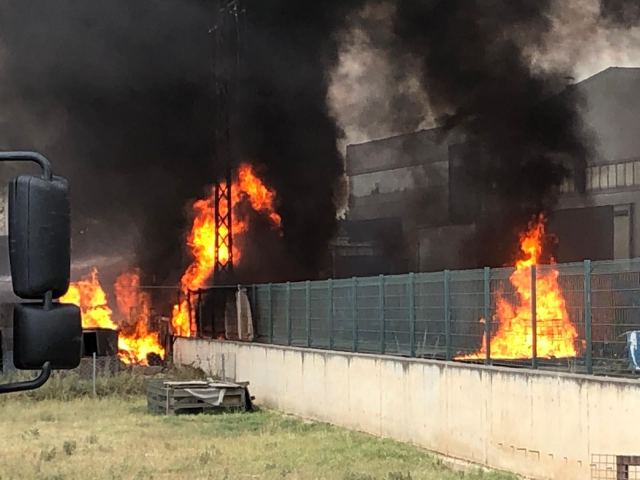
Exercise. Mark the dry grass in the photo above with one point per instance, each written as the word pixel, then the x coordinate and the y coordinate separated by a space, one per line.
pixel 115 438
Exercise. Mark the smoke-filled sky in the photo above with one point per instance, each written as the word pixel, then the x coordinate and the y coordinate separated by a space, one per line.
pixel 492 70
pixel 119 94
pixel 582 38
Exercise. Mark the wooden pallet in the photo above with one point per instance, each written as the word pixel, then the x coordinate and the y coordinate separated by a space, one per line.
pixel 172 398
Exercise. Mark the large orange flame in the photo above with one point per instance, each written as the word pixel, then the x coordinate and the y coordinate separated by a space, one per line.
pixel 136 342
pixel 201 241
pixel 556 334
pixel 261 198
pixel 205 250
pixel 92 300
pixel 127 292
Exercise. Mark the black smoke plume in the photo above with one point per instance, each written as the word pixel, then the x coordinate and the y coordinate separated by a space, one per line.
pixel 284 122
pixel 478 73
pixel 129 84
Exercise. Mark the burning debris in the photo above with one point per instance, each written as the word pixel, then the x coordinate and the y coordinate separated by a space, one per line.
pixel 248 188
pixel 556 335
pixel 136 343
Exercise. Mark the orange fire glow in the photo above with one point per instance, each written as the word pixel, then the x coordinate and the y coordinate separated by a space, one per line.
pixel 206 247
pixel 135 341
pixel 260 197
pixel 556 334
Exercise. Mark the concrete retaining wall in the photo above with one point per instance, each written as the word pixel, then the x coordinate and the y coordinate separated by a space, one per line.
pixel 539 424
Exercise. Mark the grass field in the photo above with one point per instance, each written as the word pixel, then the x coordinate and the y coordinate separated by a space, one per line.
pixel 115 438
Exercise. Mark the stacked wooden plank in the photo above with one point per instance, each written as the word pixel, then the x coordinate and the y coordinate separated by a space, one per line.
pixel 172 397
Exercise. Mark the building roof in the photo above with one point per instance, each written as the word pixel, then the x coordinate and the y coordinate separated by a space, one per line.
pixel 610 109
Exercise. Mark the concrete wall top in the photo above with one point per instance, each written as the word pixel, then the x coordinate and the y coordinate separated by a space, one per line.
pixel 441 364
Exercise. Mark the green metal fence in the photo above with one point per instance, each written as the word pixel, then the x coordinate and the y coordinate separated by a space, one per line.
pixel 451 314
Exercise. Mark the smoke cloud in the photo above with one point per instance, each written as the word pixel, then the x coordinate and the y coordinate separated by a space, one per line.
pixel 476 68
pixel 375 89
pixel 124 91
pixel 285 122
pixel 120 95
pixel 584 39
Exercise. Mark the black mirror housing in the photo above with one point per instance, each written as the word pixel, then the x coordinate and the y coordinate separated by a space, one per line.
pixel 39 236
pixel 43 334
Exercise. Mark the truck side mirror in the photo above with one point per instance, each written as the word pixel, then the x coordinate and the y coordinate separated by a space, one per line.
pixel 39 236
pixel 46 335
pixel 43 335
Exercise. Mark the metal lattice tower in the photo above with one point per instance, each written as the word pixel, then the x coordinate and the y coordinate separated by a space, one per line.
pixel 226 66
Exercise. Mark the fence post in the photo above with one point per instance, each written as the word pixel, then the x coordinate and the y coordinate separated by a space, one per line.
pixel 412 315
pixel 308 311
pixel 587 317
pixel 330 311
pixel 199 325
pixel 270 313
pixel 254 299
pixel 288 314
pixel 189 309
pixel 447 315
pixel 381 313
pixel 487 315
pixel 93 374
pixel 534 319
pixel 354 312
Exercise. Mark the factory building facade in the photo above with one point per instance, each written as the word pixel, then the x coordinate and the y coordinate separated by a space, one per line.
pixel 411 209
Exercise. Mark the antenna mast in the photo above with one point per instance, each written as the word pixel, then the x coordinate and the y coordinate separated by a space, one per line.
pixel 226 68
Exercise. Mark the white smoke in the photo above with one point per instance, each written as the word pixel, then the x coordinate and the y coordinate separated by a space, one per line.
pixel 368 97
pixel 583 43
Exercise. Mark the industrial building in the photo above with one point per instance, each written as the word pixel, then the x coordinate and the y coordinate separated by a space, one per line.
pixel 409 210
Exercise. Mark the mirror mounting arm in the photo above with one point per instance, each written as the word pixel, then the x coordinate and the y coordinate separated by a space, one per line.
pixel 47 303
pixel 29 157
pixel 37 382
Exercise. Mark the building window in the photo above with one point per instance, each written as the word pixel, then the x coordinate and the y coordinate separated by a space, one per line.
pixel 601 177
pixel 628 174
pixel 612 176
pixel 594 174
pixel 464 198
pixel 620 175
pixel 604 177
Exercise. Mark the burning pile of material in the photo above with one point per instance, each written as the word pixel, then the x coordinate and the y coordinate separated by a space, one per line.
pixel 556 334
pixel 132 318
pixel 202 239
pixel 135 341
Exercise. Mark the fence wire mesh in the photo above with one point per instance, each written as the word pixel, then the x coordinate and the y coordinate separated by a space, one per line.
pixel 585 316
